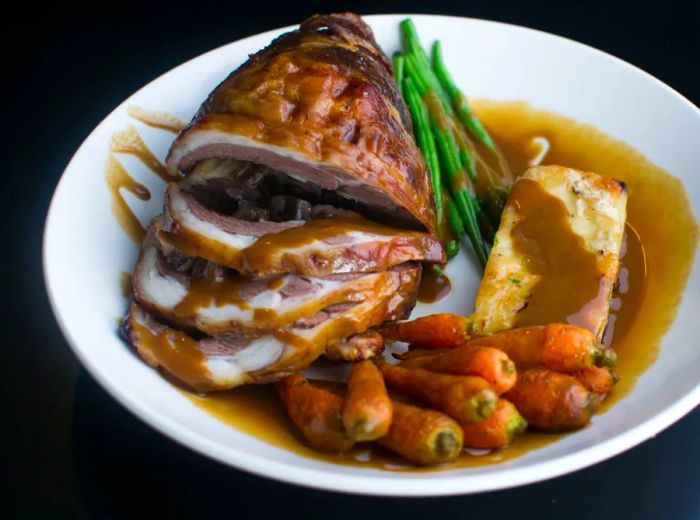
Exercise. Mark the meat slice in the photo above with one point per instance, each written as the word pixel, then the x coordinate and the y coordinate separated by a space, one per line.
pixel 219 363
pixel 342 244
pixel 320 105
pixel 199 231
pixel 203 365
pixel 243 304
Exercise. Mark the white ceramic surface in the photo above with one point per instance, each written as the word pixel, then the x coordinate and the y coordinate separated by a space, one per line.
pixel 85 250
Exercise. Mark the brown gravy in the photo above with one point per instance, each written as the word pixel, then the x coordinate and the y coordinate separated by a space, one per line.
pixel 433 287
pixel 117 179
pixel 176 351
pixel 654 271
pixel 265 249
pixel 570 276
pixel 130 142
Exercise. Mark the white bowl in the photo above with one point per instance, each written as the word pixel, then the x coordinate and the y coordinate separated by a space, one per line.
pixel 85 250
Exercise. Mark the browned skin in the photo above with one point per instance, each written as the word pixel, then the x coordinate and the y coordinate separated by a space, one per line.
pixel 324 91
pixel 316 412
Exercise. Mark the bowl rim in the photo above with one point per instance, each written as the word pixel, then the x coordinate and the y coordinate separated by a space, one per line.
pixel 383 484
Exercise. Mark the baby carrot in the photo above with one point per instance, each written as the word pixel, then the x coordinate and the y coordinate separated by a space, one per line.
pixel 553 401
pixel 492 364
pixel 422 436
pixel 557 346
pixel 464 398
pixel 367 410
pixel 497 431
pixel 316 412
pixel 419 352
pixel 434 331
pixel 597 379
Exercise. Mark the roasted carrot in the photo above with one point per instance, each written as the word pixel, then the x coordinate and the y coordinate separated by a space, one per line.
pixel 553 401
pixel 497 431
pixel 492 364
pixel 464 398
pixel 557 346
pixel 597 379
pixel 422 436
pixel 434 331
pixel 316 412
pixel 419 352
pixel 367 410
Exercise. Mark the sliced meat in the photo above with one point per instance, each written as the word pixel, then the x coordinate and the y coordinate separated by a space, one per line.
pixel 198 231
pixel 356 348
pixel 324 246
pixel 320 105
pixel 347 244
pixel 204 365
pixel 228 361
pixel 235 303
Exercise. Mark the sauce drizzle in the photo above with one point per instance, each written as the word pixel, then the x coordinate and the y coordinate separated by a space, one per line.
pixel 433 287
pixel 129 141
pixel 117 179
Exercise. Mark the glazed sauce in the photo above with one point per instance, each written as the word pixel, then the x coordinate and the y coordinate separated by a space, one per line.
pixel 195 244
pixel 654 269
pixel 118 179
pixel 265 250
pixel 433 286
pixel 205 293
pixel 175 351
pixel 571 288
pixel 129 141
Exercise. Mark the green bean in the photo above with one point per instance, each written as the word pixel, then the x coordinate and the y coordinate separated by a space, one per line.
pixel 453 218
pixel 451 249
pixel 459 100
pixel 397 65
pixel 463 200
pixel 425 140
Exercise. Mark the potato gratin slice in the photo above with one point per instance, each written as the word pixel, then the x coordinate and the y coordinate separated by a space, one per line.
pixel 556 254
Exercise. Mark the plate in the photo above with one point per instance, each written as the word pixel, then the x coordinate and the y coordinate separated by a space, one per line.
pixel 85 250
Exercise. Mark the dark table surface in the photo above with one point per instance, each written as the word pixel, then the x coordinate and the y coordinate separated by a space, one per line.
pixel 69 449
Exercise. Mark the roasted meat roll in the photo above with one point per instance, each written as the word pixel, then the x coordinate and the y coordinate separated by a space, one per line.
pixel 301 221
pixel 320 105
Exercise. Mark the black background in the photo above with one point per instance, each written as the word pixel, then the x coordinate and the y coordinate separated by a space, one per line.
pixel 68 449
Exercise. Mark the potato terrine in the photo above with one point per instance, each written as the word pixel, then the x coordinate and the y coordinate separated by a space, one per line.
pixel 556 254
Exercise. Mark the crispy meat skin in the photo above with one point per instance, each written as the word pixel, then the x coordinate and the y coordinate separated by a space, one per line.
pixel 318 103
